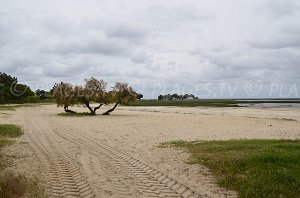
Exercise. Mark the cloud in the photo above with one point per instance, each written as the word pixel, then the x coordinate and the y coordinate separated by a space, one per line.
pixel 166 43
pixel 127 32
pixel 277 43
pixel 79 45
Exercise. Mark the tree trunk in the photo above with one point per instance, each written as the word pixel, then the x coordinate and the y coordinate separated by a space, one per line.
pixel 91 110
pixel 96 108
pixel 111 110
pixel 68 110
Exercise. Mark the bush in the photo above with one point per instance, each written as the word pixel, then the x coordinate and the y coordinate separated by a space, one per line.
pixel 32 99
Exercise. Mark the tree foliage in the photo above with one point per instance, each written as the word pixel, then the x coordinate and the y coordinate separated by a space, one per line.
pixel 42 94
pixel 122 94
pixel 92 91
pixel 12 91
pixel 65 95
pixel 7 80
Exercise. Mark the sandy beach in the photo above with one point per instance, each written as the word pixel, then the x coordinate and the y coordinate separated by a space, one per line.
pixel 118 155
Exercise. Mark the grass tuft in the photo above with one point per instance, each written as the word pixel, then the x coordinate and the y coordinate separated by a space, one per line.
pixel 12 185
pixel 10 130
pixel 4 142
pixel 254 168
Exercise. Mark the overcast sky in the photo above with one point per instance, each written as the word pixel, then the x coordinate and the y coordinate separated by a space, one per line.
pixel 211 48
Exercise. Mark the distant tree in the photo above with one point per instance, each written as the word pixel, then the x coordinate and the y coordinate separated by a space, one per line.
pixel 160 97
pixel 185 96
pixel 139 96
pixel 41 93
pixel 5 94
pixel 192 97
pixel 13 92
pixel 176 96
pixel 122 93
pixel 21 91
pixel 38 92
pixel 7 80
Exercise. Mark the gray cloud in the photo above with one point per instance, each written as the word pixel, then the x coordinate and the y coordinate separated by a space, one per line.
pixel 153 43
pixel 127 32
pixel 87 46
pixel 279 43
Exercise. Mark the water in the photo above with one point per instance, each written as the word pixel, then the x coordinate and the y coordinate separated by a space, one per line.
pixel 293 103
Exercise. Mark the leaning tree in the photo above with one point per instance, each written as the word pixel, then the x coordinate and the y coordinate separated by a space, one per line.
pixel 93 91
pixel 65 96
pixel 122 94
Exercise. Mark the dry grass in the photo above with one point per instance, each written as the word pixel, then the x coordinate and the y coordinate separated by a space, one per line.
pixel 14 185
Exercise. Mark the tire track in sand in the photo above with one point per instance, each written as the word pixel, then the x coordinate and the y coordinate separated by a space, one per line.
pixel 148 181
pixel 62 175
pixel 113 183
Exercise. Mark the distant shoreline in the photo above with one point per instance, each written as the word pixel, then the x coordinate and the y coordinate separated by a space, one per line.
pixel 259 103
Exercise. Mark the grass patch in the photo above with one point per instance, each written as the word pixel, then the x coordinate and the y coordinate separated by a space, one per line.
pixel 254 168
pixel 19 186
pixel 4 142
pixel 75 114
pixel 10 130
pixel 186 103
pixel 12 185
pixel 14 107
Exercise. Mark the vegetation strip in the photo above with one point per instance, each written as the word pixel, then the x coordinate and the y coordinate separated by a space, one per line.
pixel 14 107
pixel 254 168
pixel 186 103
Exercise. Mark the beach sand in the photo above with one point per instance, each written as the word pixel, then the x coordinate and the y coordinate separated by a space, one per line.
pixel 118 155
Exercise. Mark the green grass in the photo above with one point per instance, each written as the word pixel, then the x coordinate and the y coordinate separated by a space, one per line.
pixel 254 168
pixel 14 107
pixel 10 130
pixel 75 114
pixel 4 142
pixel 186 103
